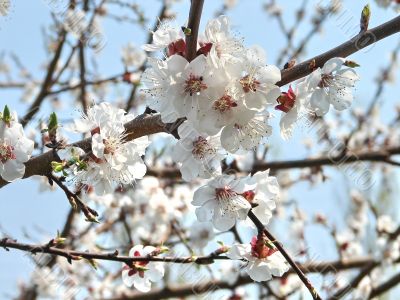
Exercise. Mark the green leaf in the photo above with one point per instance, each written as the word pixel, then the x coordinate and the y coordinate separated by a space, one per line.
pixel 53 122
pixel 365 16
pixel 351 64
pixel 57 166
pixel 93 263
pixel 6 114
pixel 186 31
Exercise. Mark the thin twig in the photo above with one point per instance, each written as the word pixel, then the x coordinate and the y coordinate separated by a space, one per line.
pixel 292 263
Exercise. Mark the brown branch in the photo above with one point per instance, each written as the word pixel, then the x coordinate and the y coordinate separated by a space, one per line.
pixel 47 82
pixel 214 285
pixel 82 64
pixel 82 67
pixel 75 201
pixel 261 229
pixel 196 8
pixel 386 286
pixel 140 126
pixel 329 160
pixel 352 46
pixel 71 255
pixel 161 16
pixel 312 267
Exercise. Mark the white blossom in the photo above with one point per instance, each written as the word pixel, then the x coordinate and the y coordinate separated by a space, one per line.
pixel 141 274
pixel 246 132
pixel 199 155
pixel 164 36
pixel 221 201
pixel 15 148
pixel 331 85
pixel 200 233
pixel 133 56
pixel 256 80
pixel 385 224
pixel 263 260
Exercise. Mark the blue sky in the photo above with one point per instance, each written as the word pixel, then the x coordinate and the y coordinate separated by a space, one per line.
pixel 23 209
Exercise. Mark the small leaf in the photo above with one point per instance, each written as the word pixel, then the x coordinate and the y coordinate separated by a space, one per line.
pixel 53 122
pixel 92 219
pixel 57 166
pixel 351 64
pixel 365 16
pixel 164 249
pixel 59 240
pixel 93 263
pixel 186 31
pixel 6 115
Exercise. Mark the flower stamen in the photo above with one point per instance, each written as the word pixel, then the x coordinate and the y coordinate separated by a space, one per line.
pixel 194 85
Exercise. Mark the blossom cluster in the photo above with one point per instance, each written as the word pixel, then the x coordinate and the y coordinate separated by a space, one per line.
pixel 225 94
pixel 113 160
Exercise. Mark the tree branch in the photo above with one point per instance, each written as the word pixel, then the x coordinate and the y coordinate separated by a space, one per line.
pixel 352 46
pixel 312 267
pixel 48 81
pixel 261 229
pixel 196 8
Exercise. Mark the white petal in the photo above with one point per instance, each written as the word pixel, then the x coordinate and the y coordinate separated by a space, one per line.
pixel 259 271
pixel 320 102
pixel 206 212
pixel 221 221
pixel 13 170
pixel 202 195
pixel 142 284
pixel 332 65
pixel 229 140
pixel 156 271
pixel 270 74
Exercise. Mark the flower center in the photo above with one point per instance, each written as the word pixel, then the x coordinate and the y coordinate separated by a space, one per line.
pixel 204 48
pixel 249 196
pixel 225 193
pixel 326 80
pixel 249 83
pixel 194 85
pixel 6 153
pixel 224 103
pixel 201 148
pixel 177 47
pixel 138 267
pixel 110 146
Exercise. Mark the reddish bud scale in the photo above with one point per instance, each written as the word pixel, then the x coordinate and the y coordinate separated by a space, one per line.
pixel 286 100
pixel 249 195
pixel 136 267
pixel 126 77
pixel 95 130
pixel 204 49
pixel 344 246
pixel 260 248
pixel 177 47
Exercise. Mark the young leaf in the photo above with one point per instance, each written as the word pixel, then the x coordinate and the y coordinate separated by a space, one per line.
pixel 365 16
